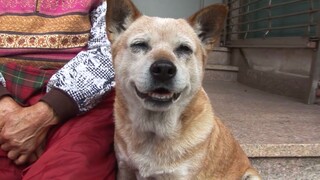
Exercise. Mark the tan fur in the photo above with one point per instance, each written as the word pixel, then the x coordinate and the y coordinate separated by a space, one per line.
pixel 182 139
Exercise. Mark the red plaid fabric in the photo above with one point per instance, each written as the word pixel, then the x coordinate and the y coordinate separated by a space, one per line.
pixel 24 81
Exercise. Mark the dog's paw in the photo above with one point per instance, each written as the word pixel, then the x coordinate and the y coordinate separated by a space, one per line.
pixel 251 174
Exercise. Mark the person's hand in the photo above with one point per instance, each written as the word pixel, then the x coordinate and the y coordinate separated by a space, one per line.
pixel 7 105
pixel 24 131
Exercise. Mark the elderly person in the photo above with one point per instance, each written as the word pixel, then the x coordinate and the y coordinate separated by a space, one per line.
pixel 56 81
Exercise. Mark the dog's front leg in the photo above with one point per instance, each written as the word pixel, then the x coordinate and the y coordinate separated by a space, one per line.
pixel 125 173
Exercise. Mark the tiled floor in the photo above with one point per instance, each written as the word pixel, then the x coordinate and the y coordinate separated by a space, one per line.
pixel 266 122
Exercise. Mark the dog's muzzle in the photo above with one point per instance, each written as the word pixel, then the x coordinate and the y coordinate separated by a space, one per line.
pixel 162 72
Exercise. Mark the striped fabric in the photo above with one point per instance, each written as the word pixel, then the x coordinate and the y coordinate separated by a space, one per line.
pixel 47 7
pixel 38 37
pixel 32 29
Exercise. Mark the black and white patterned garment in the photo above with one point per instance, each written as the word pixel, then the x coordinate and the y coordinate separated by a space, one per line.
pixel 2 80
pixel 88 76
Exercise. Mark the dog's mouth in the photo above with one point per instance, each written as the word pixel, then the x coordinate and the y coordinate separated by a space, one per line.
pixel 159 95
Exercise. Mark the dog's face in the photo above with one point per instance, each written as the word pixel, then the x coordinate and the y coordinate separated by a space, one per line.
pixel 159 62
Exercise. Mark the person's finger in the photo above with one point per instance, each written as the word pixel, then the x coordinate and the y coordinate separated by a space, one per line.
pixel 5 147
pixel 40 149
pixel 33 157
pixel 22 159
pixel 38 152
pixel 13 154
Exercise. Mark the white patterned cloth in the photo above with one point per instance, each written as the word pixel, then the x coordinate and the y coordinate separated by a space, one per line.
pixel 2 80
pixel 88 76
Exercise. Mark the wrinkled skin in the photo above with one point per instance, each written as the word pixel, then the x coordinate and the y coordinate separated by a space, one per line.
pixel 23 129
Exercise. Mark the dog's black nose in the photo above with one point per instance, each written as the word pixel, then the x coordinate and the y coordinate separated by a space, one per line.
pixel 163 70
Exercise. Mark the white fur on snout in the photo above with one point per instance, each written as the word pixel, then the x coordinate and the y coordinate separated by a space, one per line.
pixel 145 82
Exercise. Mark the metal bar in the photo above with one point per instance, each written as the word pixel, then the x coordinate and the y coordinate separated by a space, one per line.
pixel 273 42
pixel 311 15
pixel 234 25
pixel 314 72
pixel 253 2
pixel 277 17
pixel 232 2
pixel 269 21
pixel 201 4
pixel 276 5
pixel 244 14
pixel 248 25
pixel 274 28
pixel 267 7
pixel 225 33
pixel 244 5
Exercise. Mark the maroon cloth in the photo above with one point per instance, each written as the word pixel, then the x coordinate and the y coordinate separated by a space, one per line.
pixel 80 149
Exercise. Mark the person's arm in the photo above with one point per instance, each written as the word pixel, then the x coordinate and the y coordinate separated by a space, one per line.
pixel 82 82
pixel 77 87
pixel 15 119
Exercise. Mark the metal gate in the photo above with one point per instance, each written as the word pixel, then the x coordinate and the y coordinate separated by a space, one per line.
pixel 276 24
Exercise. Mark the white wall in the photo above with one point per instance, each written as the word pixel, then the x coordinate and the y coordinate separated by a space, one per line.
pixel 172 8
pixel 208 2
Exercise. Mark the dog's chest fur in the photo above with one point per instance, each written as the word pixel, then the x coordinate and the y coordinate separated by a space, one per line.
pixel 161 145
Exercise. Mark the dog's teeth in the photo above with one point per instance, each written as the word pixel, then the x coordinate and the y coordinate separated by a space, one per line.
pixel 160 96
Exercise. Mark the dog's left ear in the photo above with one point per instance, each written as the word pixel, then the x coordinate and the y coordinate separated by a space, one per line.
pixel 209 22
pixel 120 15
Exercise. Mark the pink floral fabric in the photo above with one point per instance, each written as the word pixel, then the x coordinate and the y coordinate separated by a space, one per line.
pixel 47 7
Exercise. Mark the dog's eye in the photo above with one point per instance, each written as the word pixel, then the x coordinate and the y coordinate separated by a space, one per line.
pixel 183 49
pixel 139 46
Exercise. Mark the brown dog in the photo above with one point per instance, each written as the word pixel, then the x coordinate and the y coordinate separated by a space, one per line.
pixel 165 126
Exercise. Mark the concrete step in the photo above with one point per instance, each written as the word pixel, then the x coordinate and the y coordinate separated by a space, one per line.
pixel 288 168
pixel 318 94
pixel 285 161
pixel 219 56
pixel 219 65
pixel 221 72
pixel 279 134
pixel 318 91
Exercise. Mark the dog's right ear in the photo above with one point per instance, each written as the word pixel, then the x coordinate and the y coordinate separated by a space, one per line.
pixel 120 14
pixel 209 22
